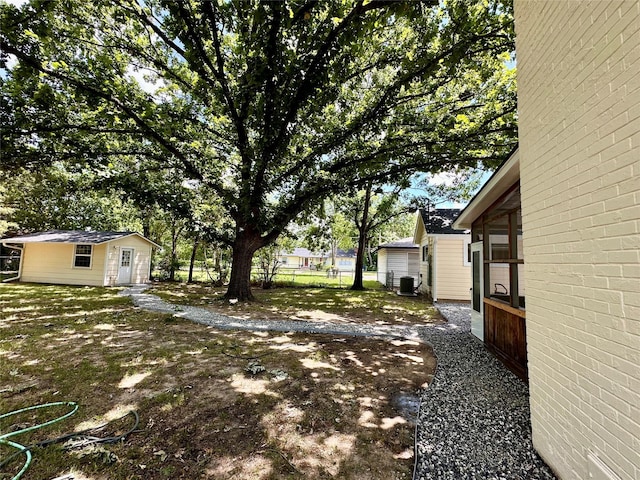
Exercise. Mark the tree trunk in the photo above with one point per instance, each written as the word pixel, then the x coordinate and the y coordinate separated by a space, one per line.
pixel 245 245
pixel 174 252
pixel 369 257
pixel 334 251
pixel 146 233
pixel 194 250
pixel 216 253
pixel 362 241
pixel 358 274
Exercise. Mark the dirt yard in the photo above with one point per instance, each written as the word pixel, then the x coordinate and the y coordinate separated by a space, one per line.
pixel 212 404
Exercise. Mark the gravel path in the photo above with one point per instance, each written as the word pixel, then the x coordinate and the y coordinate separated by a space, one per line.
pixel 474 417
pixel 224 322
pixel 473 421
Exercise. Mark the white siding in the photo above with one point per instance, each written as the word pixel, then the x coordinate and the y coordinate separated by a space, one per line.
pixel 579 121
pixel 424 266
pixel 382 266
pixel 451 279
pixel 401 261
pixel 413 268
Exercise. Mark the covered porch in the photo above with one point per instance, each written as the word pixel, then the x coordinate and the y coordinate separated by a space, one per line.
pixel 494 217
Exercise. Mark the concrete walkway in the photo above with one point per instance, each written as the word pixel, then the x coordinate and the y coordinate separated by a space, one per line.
pixel 473 421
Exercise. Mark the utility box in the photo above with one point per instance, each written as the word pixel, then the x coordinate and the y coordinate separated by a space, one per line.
pixel 406 286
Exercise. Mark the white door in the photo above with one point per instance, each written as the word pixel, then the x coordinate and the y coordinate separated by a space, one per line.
pixel 477 284
pixel 124 267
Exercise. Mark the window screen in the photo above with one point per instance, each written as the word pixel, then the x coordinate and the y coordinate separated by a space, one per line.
pixel 82 256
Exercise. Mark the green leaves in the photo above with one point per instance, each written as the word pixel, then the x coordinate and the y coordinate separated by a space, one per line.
pixel 270 106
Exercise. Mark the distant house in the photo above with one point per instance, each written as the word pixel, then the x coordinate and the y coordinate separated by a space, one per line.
pixel 304 258
pixel 398 259
pixel 73 257
pixel 300 258
pixel 445 262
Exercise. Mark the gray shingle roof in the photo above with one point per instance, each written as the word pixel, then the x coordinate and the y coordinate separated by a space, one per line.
pixel 440 220
pixel 69 236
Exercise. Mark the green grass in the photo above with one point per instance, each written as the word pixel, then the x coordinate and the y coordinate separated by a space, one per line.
pixel 288 277
pixel 202 414
pixel 373 305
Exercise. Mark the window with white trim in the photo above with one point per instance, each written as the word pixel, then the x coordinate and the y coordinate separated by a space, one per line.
pixel 82 256
pixel 467 253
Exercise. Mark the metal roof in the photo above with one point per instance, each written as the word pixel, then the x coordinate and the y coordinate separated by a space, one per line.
pixel 402 243
pixel 72 236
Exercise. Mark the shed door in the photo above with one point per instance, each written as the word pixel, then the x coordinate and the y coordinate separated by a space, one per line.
pixel 477 317
pixel 124 266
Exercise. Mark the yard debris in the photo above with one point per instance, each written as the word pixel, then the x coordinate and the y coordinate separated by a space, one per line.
pixel 96 453
pixel 278 375
pixel 255 367
pixel 19 388
pixel 162 454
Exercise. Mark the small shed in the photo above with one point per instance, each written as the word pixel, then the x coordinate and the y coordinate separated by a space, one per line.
pixel 398 259
pixel 76 257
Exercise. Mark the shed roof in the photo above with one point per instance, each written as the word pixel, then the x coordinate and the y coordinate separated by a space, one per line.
pixel 72 236
pixel 402 243
pixel 440 221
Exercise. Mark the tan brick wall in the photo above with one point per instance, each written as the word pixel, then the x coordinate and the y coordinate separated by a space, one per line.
pixel 579 121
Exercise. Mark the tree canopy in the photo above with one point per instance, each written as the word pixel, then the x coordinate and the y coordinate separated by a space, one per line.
pixel 269 106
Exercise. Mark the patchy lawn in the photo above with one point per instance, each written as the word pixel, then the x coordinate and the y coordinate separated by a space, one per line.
pixel 212 404
pixel 375 306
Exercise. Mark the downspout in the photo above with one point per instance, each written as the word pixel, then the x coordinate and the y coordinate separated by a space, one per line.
pixel 21 249
pixel 434 278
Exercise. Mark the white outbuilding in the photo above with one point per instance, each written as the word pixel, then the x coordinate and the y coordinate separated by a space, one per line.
pixel 396 260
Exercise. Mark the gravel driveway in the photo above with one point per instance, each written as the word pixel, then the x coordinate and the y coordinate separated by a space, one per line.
pixel 473 421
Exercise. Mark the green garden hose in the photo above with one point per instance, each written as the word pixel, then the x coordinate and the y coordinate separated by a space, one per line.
pixel 4 439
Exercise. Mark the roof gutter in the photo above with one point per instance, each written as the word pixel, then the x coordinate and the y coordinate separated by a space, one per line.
pixel 21 249
pixel 502 179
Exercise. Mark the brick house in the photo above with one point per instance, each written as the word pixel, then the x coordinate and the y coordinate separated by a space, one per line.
pixel 578 177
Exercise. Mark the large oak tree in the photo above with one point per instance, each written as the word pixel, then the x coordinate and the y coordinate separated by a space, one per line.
pixel 271 106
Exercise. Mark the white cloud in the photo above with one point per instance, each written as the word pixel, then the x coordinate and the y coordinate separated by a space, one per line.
pixel 444 178
pixel 12 60
pixel 138 76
